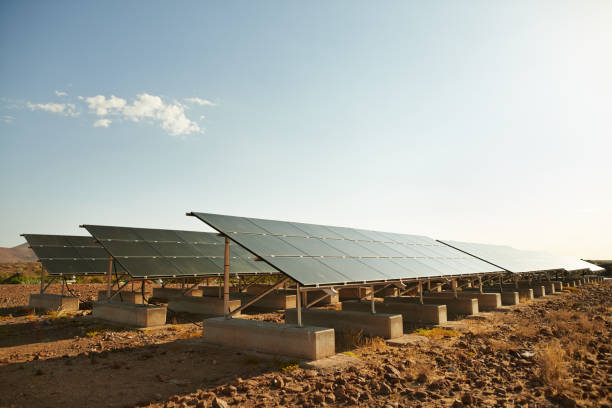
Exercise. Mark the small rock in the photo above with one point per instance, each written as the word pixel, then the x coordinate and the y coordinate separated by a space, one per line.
pixel 278 382
pixel 219 403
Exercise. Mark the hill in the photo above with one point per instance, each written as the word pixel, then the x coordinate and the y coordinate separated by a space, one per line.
pixel 20 253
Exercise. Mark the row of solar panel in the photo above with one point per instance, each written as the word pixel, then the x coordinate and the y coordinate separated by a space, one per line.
pixel 310 254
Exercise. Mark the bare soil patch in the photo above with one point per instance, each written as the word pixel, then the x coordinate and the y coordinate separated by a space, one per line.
pixel 546 353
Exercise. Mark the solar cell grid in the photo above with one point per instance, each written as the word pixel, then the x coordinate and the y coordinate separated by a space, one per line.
pixel 320 254
pixel 69 254
pixel 149 253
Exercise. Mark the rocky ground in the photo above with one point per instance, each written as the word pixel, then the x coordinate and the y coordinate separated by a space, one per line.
pixel 549 352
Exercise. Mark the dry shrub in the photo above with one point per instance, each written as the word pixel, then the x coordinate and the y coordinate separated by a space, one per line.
pixel 526 330
pixel 502 345
pixel 190 334
pixel 355 339
pixel 552 365
pixel 478 329
pixel 437 333
pixel 571 288
pixel 421 371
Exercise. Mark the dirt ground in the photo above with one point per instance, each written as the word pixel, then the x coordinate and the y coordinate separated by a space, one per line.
pixel 549 352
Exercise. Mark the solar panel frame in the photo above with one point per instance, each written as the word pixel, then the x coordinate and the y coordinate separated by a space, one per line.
pixel 344 251
pixel 67 255
pixel 517 260
pixel 147 253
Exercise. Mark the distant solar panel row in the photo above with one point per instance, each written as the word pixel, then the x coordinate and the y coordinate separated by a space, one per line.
pixel 70 254
pixel 322 255
pixel 149 253
pixel 521 261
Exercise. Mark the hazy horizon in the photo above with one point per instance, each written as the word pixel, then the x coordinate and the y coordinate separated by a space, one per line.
pixel 473 121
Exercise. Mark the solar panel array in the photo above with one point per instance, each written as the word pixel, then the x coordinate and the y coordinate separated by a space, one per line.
pixel 70 254
pixel 520 261
pixel 152 253
pixel 322 255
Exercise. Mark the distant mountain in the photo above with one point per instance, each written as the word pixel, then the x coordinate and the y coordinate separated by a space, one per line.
pixel 20 253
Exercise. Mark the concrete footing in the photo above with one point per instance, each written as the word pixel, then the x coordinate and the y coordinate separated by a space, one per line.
pixel 130 315
pixel 204 305
pixel 454 307
pixel 134 297
pixel 549 287
pixel 508 297
pixel 486 301
pixel 387 326
pixel 280 300
pixel 311 343
pixel 411 313
pixel 558 286
pixel 166 294
pixel 44 301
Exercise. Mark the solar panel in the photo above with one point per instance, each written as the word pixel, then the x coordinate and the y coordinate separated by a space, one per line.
pixel 70 254
pixel 520 261
pixel 158 253
pixel 323 255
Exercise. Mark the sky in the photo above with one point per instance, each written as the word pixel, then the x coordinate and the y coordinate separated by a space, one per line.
pixel 476 120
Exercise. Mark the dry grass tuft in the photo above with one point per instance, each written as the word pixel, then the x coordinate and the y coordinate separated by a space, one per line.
pixel 552 365
pixel 355 339
pixel 436 333
pixel 526 331
pixel 571 288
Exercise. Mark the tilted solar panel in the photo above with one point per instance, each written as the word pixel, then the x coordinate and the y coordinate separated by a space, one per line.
pixel 70 254
pixel 322 255
pixel 152 253
pixel 518 260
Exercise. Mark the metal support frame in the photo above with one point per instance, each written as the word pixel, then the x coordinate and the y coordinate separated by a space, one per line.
pixel 259 296
pixel 226 271
pixel 320 298
pixel 480 284
pixel 454 287
pixel 298 304
pixel 257 279
pixel 501 283
pixel 42 278
pixel 192 287
pixel 109 277
pixel 120 289
pixel 420 289
pixel 410 289
pixel 372 302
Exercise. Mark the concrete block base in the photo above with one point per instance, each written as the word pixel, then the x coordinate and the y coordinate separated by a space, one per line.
pixel 48 302
pixel 311 343
pixel 387 326
pixel 166 294
pixel 454 307
pixel 549 287
pixel 130 315
pixel 508 297
pixel 204 305
pixel 280 300
pixel 486 301
pixel 126 297
pixel 558 286
pixel 411 313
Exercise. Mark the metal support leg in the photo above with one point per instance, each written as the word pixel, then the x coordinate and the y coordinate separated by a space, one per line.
pixel 501 283
pixel 480 284
pixel 109 277
pixel 454 286
pixel 421 292
pixel 42 279
pixel 373 304
pixel 63 283
pixel 226 270
pixel 298 304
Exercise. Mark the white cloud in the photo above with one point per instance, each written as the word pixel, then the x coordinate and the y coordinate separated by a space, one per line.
pixel 171 116
pixel 199 101
pixel 7 118
pixel 102 123
pixel 104 106
pixel 68 109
